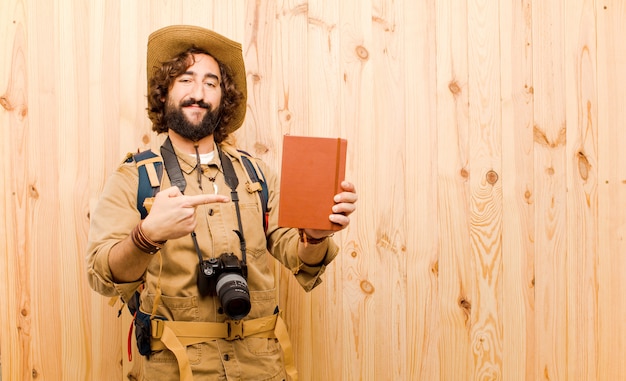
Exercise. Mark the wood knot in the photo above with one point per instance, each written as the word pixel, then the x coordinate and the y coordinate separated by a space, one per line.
pixel 5 103
pixel 464 173
pixel 454 87
pixel 466 307
pixel 583 166
pixel 367 287
pixel 541 138
pixel 23 113
pixel 528 196
pixel 465 304
pixel 260 148
pixel 284 115
pixel 492 177
pixel 34 193
pixel 362 53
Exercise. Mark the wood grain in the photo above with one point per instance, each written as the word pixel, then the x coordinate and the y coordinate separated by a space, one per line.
pixel 15 284
pixel 455 282
pixel 418 29
pixel 325 118
pixel 485 162
pixel 518 251
pixel 582 185
pixel 387 256
pixel 485 140
pixel 550 130
pixel 611 339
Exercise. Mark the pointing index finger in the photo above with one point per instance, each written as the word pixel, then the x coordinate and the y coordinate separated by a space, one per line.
pixel 201 199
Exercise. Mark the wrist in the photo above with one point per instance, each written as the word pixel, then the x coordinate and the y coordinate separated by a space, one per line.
pixel 143 242
pixel 308 240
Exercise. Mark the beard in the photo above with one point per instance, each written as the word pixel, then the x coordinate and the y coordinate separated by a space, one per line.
pixel 175 120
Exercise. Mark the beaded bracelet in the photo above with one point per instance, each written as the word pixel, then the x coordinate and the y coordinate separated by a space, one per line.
pixel 144 243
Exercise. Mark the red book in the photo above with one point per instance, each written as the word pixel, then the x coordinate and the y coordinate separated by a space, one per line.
pixel 311 174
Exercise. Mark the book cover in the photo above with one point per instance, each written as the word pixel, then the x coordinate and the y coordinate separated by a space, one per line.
pixel 312 170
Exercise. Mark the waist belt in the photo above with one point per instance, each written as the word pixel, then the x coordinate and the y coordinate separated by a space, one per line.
pixel 177 335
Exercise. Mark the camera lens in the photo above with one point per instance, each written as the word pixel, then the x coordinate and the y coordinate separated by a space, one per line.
pixel 232 290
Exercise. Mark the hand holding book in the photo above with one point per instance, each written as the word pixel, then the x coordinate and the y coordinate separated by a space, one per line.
pixel 313 193
pixel 344 206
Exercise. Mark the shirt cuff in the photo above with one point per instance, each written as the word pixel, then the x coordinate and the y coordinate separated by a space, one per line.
pixel 308 276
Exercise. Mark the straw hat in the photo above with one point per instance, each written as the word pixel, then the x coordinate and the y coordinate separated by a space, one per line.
pixel 166 43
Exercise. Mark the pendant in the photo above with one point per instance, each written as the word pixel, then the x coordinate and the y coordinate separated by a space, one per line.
pixel 214 188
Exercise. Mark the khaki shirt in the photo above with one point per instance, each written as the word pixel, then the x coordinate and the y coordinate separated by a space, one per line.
pixel 116 215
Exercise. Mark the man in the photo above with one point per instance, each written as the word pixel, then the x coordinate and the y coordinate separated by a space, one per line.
pixel 197 96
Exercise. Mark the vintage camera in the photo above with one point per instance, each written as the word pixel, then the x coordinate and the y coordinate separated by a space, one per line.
pixel 225 276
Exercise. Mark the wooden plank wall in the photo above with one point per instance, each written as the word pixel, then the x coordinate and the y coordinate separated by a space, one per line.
pixel 485 138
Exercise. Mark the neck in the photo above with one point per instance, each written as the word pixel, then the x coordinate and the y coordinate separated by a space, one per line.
pixel 205 145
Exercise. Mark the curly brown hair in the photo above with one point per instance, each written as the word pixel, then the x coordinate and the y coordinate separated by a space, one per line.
pixel 161 83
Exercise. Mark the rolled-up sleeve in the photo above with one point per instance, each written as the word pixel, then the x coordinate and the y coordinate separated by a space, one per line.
pixel 283 243
pixel 112 220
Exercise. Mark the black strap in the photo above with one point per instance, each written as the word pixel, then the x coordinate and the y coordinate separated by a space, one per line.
pixel 176 178
pixel 171 164
pixel 232 181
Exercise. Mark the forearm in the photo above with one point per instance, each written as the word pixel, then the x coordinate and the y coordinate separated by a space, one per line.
pixel 127 262
pixel 308 249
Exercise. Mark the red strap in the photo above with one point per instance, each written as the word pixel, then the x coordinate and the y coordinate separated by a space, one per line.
pixel 130 336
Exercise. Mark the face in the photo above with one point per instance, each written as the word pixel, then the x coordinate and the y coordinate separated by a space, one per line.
pixel 193 101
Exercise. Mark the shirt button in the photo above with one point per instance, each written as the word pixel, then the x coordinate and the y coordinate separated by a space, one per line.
pixel 211 212
pixel 226 357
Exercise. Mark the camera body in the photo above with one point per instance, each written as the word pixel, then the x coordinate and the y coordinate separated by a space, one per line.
pixel 225 276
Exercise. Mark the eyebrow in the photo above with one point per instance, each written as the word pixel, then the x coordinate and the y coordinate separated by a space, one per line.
pixel 207 75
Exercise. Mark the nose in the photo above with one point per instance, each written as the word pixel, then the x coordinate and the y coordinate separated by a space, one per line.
pixel 197 91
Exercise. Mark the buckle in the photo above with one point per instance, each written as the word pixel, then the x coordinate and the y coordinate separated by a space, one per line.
pixel 156 326
pixel 235 329
pixel 253 187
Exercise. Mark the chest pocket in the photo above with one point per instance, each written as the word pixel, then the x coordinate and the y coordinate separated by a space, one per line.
pixel 254 237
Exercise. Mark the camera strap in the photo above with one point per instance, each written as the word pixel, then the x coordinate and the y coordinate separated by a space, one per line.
pixel 175 174
pixel 231 179
pixel 172 166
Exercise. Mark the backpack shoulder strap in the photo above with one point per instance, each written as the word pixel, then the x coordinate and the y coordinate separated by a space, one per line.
pixel 256 180
pixel 150 167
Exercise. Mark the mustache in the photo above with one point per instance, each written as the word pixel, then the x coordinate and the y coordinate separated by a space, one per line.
pixel 191 102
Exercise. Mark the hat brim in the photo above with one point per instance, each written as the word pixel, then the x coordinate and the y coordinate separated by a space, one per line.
pixel 166 43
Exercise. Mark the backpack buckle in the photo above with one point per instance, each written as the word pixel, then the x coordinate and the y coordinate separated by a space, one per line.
pixel 253 187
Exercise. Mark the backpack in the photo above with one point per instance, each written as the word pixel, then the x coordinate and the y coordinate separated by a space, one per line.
pixel 150 167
